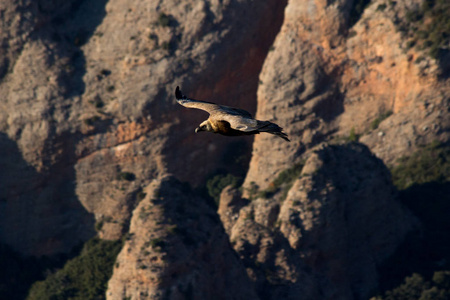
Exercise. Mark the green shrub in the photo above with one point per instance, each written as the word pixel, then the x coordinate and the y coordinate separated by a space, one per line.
pixel 429 164
pixel 381 7
pixel 288 176
pixel 421 34
pixel 416 287
pixel 375 123
pixel 442 279
pixel 216 184
pixel 166 46
pixel 351 34
pixel 128 176
pixel 84 277
pixel 419 60
pixel 434 51
pixel 283 182
pixel 141 195
pixel 353 136
pixel 423 180
pixel 430 26
pixel 98 103
pixel 410 44
pixel 99 225
pixel 253 191
pixel 144 213
pixel 163 20
pixel 157 242
pixel 91 121
pixel 413 16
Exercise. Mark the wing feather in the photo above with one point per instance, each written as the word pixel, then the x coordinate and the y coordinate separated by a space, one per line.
pixel 209 107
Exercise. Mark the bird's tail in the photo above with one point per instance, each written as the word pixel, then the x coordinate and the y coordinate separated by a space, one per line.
pixel 269 127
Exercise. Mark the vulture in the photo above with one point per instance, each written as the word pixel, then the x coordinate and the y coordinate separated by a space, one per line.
pixel 228 120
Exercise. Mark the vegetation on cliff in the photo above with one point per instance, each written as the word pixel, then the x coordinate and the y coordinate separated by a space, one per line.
pixel 83 277
pixel 217 183
pixel 428 27
pixel 430 164
pixel 423 260
pixel 416 287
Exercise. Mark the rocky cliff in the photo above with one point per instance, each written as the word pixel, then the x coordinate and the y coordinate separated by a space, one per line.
pixel 87 97
pixel 92 141
pixel 335 217
pixel 327 79
pixel 177 249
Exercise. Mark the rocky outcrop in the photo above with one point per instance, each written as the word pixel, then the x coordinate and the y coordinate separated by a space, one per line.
pixel 87 100
pixel 277 271
pixel 343 218
pixel 177 249
pixel 340 220
pixel 230 204
pixel 326 78
pixel 91 140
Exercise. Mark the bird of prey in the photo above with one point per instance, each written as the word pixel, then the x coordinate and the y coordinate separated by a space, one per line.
pixel 228 120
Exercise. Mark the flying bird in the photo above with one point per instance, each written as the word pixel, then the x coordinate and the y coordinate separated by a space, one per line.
pixel 228 120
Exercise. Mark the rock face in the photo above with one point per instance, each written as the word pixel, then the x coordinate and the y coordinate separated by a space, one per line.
pixel 92 141
pixel 324 79
pixel 275 268
pixel 340 220
pixel 177 249
pixel 343 217
pixel 87 100
pixel 39 218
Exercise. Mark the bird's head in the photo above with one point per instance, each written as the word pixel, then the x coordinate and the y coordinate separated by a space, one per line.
pixel 204 126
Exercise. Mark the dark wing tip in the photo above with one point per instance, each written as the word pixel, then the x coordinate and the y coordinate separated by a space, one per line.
pixel 178 93
pixel 284 136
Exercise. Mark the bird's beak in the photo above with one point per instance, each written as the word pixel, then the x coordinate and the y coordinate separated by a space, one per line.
pixel 197 129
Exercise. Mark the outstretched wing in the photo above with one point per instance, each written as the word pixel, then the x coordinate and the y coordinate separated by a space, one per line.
pixel 210 107
pixel 191 103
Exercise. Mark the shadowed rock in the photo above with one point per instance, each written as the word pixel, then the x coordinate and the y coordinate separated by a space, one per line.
pixel 177 249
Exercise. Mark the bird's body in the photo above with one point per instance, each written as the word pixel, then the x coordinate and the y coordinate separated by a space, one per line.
pixel 228 120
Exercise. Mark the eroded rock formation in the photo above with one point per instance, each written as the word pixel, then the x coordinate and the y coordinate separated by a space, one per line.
pixel 177 249
pixel 341 218
pixel 91 137
pixel 325 79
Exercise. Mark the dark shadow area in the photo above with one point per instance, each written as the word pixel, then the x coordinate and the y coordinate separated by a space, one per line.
pixel 4 65
pixel 42 222
pixel 427 251
pixel 330 106
pixel 444 64
pixel 356 11
pixel 69 26
pixel 18 273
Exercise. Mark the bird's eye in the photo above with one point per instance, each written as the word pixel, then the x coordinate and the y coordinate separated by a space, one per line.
pixel 204 127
